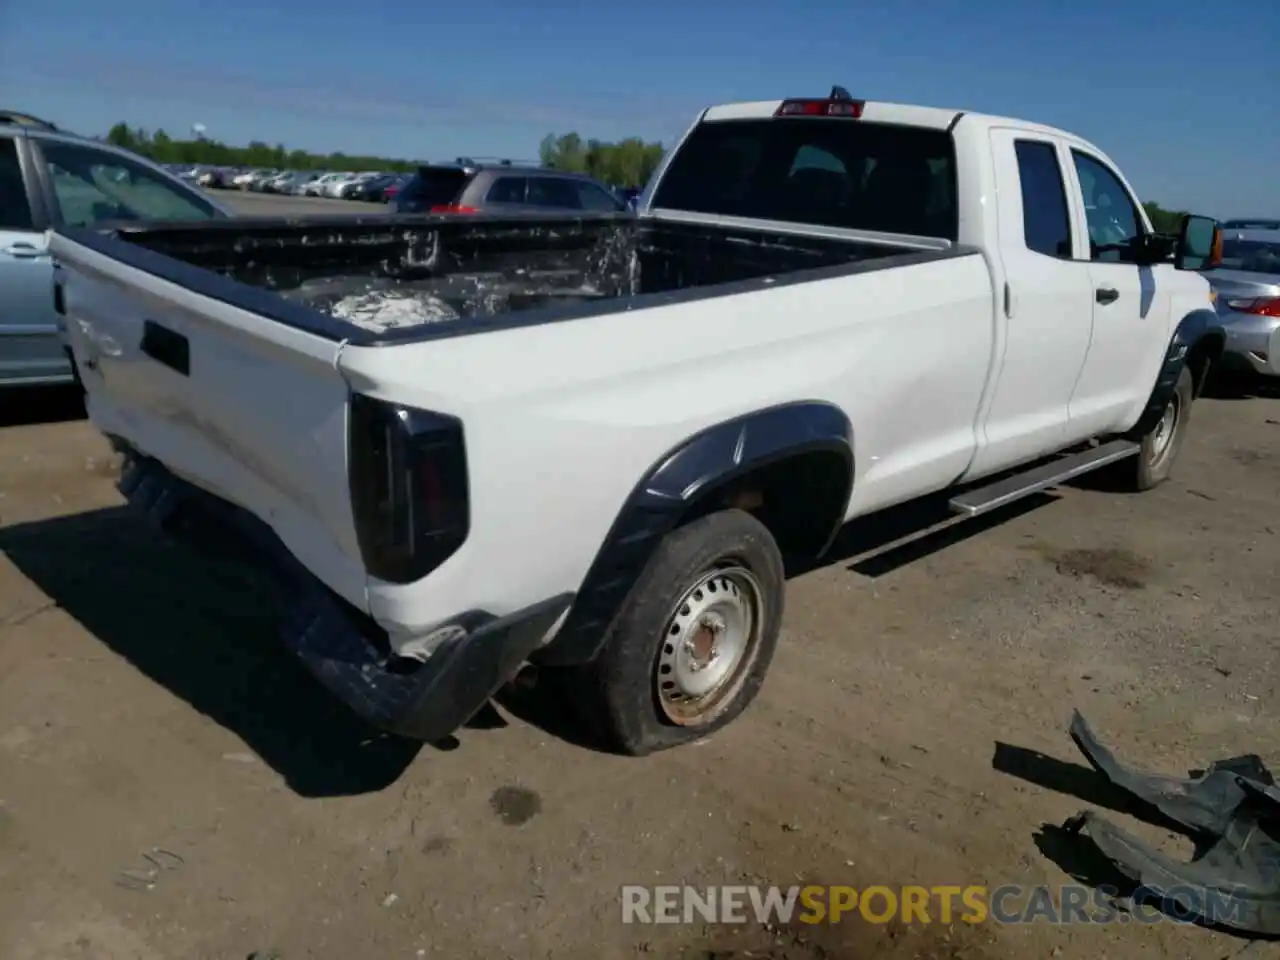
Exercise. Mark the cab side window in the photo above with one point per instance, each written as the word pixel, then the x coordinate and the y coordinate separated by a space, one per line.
pixel 1046 224
pixel 15 208
pixel 1113 218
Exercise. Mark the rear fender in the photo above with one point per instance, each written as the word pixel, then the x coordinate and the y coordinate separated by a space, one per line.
pixel 674 487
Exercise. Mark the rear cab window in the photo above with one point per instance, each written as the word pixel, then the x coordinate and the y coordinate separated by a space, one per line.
pixel 850 174
pixel 1046 220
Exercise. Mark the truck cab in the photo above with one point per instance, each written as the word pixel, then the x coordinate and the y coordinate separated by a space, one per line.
pixel 1086 296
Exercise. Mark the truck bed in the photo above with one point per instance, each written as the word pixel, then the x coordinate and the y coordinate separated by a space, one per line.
pixel 369 280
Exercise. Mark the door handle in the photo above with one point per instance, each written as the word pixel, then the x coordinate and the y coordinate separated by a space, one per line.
pixel 24 251
pixel 1106 294
pixel 167 347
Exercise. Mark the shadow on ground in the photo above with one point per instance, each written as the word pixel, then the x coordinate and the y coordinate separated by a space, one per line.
pixel 1241 386
pixel 28 406
pixel 883 542
pixel 207 632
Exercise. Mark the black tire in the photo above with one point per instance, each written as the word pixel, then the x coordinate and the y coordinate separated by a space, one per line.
pixel 618 693
pixel 1154 462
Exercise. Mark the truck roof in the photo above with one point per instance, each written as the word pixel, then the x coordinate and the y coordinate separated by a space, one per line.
pixel 881 111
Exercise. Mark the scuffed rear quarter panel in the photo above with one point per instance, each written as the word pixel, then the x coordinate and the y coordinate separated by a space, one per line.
pixel 260 420
pixel 563 419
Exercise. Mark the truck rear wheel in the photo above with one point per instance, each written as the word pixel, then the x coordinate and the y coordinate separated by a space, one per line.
pixel 690 648
pixel 1160 445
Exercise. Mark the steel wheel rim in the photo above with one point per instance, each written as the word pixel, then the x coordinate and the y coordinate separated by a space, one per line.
pixel 1162 440
pixel 708 644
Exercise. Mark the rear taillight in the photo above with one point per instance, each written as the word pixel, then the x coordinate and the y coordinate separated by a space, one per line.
pixel 454 208
pixel 821 108
pixel 408 477
pixel 1259 306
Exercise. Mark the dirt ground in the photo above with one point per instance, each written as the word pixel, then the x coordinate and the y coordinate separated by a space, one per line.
pixel 912 730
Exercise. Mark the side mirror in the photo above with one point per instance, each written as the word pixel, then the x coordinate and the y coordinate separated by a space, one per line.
pixel 1199 244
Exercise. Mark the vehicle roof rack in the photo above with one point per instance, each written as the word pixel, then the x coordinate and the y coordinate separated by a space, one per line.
pixel 21 119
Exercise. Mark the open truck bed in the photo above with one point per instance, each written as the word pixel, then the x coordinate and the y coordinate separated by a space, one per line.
pixel 393 279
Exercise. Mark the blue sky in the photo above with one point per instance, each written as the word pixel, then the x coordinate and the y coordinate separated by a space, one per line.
pixel 1184 95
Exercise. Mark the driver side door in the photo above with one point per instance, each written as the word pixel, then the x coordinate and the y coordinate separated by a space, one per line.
pixel 1131 303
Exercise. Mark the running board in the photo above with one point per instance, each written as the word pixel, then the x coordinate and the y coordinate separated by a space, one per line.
pixel 1003 492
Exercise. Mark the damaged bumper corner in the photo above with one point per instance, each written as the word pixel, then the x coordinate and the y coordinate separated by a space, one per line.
pixel 1231 810
pixel 419 699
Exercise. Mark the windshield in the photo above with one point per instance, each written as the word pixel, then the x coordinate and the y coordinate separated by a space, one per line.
pixel 1253 256
pixel 836 173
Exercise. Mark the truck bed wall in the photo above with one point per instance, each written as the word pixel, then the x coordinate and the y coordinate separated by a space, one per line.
pixel 470 267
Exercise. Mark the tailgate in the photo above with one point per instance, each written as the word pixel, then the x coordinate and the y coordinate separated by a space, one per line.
pixel 251 410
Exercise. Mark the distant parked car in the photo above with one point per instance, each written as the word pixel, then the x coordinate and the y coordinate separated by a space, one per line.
pixel 246 177
pixel 215 178
pixel 465 188
pixel 282 182
pixel 371 189
pixel 258 178
pixel 334 188
pixel 392 189
pixel 1247 285
pixel 351 188
pixel 318 186
pixel 299 182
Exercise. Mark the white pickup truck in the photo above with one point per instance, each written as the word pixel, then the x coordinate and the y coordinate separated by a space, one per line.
pixel 472 443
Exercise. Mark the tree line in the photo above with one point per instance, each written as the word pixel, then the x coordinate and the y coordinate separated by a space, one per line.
pixel 163 148
pixel 627 163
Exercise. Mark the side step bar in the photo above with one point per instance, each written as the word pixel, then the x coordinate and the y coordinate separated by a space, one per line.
pixel 985 499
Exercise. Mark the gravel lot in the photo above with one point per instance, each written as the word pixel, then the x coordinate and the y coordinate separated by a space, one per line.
pixel 271 205
pixel 913 730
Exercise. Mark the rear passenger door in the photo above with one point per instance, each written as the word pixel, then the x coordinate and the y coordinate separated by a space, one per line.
pixel 1045 300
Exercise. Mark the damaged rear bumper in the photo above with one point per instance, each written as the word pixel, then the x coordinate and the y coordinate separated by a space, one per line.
pixel 422 700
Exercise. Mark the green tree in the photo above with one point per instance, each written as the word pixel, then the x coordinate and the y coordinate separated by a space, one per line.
pixel 1162 220
pixel 627 163
pixel 121 136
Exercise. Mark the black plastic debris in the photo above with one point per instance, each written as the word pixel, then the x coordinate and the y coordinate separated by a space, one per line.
pixel 1231 811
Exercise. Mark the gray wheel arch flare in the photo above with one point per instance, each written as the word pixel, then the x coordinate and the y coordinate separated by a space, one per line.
pixel 676 483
